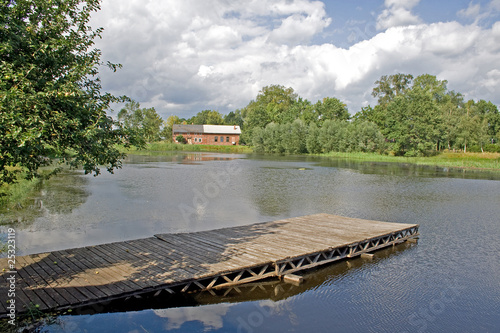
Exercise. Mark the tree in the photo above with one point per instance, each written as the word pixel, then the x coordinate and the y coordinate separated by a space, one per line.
pixel 331 135
pixel 272 104
pixel 272 138
pixel 312 141
pixel 130 115
pixel 388 87
pixel 173 120
pixel 331 108
pixel 294 137
pixel 366 137
pixel 413 122
pixel 151 125
pixel 258 140
pixel 304 110
pixel 207 117
pixel 181 139
pixel 489 112
pixel 451 110
pixel 145 124
pixel 430 84
pixel 51 104
pixel 166 132
pixel 365 114
pixel 473 127
pixel 234 118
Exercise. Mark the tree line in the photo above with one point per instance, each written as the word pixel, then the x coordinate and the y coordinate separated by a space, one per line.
pixel 420 115
pixel 413 117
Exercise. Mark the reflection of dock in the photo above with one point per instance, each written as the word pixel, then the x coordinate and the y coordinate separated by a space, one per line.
pixel 187 262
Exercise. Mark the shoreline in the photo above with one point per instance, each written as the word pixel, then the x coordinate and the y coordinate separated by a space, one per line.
pixel 471 161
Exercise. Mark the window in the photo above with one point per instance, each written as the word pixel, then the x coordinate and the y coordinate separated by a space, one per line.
pixel 195 139
pixel 215 138
pixel 221 139
pixel 227 139
pixel 199 140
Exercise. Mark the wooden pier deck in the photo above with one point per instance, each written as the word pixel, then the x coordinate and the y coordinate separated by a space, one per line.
pixel 192 261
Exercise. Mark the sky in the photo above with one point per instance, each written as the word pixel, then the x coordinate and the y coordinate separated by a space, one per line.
pixel 185 56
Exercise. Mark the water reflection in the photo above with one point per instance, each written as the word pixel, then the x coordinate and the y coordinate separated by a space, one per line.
pixel 209 316
pixel 59 195
pixel 180 158
pixel 407 169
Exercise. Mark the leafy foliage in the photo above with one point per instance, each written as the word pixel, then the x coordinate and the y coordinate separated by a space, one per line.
pixel 234 118
pixel 413 122
pixel 388 87
pixel 145 123
pixel 333 136
pixel 413 117
pixel 274 104
pixel 420 115
pixel 181 139
pixel 51 104
pixel 331 108
pixel 207 117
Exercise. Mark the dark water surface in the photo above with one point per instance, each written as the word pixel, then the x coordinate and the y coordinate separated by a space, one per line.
pixel 448 282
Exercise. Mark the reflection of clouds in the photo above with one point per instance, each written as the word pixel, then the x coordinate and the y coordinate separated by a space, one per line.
pixel 283 307
pixel 209 315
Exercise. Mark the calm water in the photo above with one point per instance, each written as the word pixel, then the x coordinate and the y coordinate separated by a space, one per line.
pixel 448 282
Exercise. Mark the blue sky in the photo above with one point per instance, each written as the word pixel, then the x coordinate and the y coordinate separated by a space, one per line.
pixel 184 56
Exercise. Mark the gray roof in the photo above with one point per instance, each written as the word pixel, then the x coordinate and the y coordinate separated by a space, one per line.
pixel 207 129
pixel 188 128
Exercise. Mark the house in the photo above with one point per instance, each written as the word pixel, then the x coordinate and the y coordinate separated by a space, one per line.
pixel 208 134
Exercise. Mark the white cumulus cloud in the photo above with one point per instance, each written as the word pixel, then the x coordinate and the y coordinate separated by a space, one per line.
pixel 184 56
pixel 397 13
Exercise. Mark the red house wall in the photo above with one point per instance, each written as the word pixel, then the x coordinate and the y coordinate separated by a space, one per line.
pixel 209 139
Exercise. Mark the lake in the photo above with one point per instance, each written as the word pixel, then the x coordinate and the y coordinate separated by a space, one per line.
pixel 449 281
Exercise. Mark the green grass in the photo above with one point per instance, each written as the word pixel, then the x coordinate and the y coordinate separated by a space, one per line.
pixel 15 195
pixel 168 146
pixel 481 161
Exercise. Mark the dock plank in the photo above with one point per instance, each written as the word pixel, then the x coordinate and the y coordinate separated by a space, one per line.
pixel 54 274
pixel 202 253
pixel 179 268
pixel 90 290
pixel 42 279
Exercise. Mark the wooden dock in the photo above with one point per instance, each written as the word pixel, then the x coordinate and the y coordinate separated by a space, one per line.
pixel 195 261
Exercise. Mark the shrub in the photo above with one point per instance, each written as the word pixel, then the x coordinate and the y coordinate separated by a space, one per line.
pixel 181 139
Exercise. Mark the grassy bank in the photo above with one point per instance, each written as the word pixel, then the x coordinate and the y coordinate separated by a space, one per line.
pixel 168 146
pixel 13 196
pixel 480 161
pixel 485 161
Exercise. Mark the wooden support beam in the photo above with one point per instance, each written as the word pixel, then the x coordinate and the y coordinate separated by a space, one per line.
pixel 293 279
pixel 368 256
